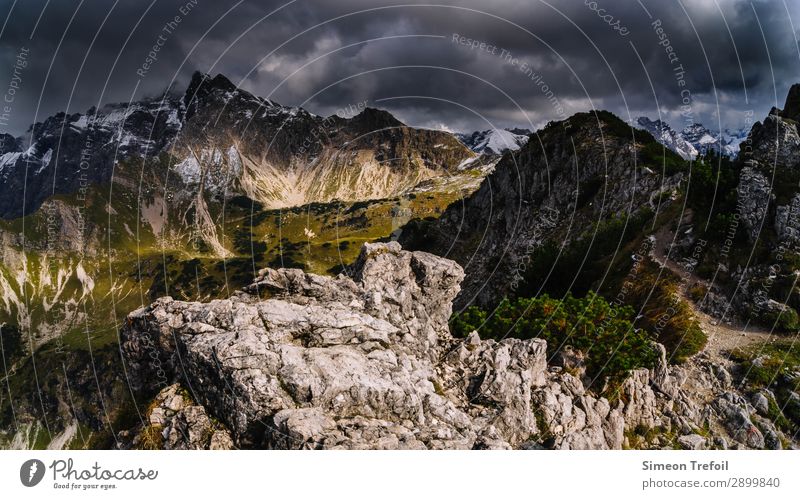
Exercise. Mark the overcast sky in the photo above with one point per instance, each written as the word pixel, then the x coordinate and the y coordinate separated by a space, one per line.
pixel 736 56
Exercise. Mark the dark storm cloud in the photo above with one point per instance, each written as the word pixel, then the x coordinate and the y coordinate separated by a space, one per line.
pixel 328 55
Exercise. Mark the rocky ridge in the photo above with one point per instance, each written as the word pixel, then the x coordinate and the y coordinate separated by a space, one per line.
pixel 222 141
pixel 588 171
pixel 559 188
pixel 299 361
pixel 767 208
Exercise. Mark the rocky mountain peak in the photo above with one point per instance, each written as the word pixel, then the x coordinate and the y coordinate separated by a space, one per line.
pixel 791 109
pixel 361 362
pixel 219 99
pixel 371 119
pixel 667 136
pixel 645 121
pixel 223 139
pixel 775 142
pixel 530 192
pixel 695 131
pixel 203 84
pixel 695 139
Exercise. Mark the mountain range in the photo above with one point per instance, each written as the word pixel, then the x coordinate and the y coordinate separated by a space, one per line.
pixel 695 139
pixel 215 270
pixel 276 155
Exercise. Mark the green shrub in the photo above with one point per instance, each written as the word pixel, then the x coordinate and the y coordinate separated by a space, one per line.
pixel 655 294
pixel 783 321
pixel 769 364
pixel 600 330
pixel 712 195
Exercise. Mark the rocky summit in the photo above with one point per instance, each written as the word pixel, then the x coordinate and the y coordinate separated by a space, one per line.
pixel 365 360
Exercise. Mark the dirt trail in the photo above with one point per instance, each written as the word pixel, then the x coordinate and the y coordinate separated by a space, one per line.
pixel 722 337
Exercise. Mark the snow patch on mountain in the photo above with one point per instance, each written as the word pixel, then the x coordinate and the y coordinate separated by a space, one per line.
pixel 45 161
pixel 189 170
pixel 494 141
pixel 9 158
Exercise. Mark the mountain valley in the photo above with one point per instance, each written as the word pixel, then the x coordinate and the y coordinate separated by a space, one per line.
pixel 215 270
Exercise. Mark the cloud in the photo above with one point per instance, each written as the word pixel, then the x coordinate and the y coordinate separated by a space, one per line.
pixel 736 56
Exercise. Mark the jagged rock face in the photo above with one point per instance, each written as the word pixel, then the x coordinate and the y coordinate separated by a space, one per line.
pixel 365 362
pixel 775 142
pixel 361 351
pixel 67 152
pixel 300 361
pixel 557 187
pixel 754 197
pixel 698 404
pixel 787 222
pixel 175 422
pixel 768 205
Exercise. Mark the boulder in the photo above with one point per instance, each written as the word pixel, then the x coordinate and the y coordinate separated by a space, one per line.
pixel 692 441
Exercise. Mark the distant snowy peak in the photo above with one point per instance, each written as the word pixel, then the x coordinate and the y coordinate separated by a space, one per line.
pixel 704 140
pixel 698 134
pixel 495 141
pixel 695 139
pixel 671 139
pixel 733 138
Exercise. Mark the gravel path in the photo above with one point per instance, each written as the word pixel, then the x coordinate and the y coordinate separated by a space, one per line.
pixel 722 337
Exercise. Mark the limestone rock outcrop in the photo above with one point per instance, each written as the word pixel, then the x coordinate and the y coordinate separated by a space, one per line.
pixel 366 361
pixel 303 361
pixel 175 422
